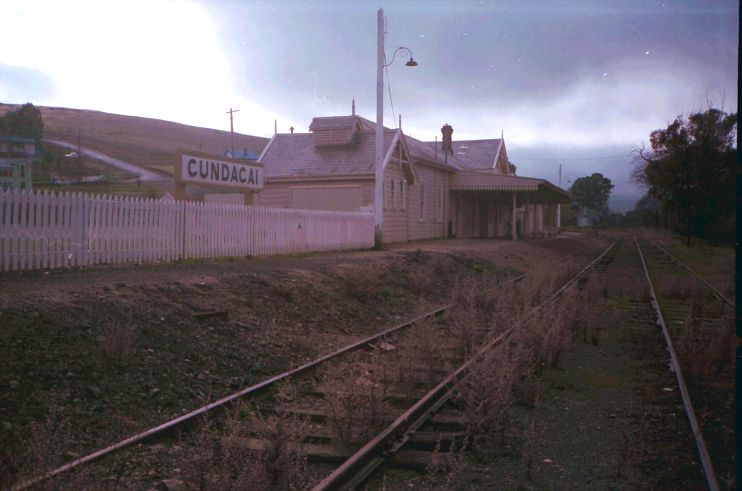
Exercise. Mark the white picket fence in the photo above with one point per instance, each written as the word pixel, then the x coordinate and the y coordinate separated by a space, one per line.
pixel 56 230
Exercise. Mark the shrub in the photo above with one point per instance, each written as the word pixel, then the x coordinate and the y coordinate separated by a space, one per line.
pixel 119 340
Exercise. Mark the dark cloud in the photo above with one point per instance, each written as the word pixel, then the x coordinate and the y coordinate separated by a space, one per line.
pixel 561 78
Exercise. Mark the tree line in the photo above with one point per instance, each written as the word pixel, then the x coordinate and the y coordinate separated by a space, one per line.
pixel 690 173
pixel 26 121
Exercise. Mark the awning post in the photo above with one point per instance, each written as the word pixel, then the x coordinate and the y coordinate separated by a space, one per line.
pixel 513 223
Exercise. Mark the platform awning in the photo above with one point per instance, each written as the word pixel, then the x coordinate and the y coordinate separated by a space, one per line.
pixel 543 190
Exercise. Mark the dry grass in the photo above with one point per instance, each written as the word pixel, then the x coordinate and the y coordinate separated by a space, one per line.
pixel 356 406
pixel 46 449
pixel 250 451
pixel 420 354
pixel 141 141
pixel 705 351
pixel 450 464
pixel 119 341
pixel 362 282
pixel 537 342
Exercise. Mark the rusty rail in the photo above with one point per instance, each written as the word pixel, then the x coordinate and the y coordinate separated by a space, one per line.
pixel 359 466
pixel 708 468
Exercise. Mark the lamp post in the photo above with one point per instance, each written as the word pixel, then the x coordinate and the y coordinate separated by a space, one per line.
pixel 379 170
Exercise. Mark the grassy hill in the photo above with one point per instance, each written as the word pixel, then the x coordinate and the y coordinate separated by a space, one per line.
pixel 142 141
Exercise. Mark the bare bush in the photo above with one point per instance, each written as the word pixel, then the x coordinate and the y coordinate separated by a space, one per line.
pixel 420 353
pixel 421 279
pixel 46 448
pixel 119 340
pixel 356 406
pixel 450 464
pixel 485 393
pixel 251 451
pixel 463 318
pixel 362 282
pixel 705 352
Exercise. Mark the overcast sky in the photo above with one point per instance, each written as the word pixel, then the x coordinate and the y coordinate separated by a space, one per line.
pixel 577 82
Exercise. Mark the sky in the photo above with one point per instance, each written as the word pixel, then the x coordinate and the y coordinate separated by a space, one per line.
pixel 576 83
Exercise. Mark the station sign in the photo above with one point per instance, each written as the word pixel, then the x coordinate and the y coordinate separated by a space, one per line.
pixel 198 168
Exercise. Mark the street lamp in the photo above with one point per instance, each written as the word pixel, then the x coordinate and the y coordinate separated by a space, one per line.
pixel 379 171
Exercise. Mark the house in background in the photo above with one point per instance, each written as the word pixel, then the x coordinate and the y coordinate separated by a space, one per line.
pixel 587 217
pixel 469 191
pixel 16 156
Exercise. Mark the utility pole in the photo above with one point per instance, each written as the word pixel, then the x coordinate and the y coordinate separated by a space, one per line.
pixel 231 126
pixel 559 205
pixel 378 170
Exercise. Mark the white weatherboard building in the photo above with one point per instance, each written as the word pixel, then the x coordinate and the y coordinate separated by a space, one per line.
pixel 428 193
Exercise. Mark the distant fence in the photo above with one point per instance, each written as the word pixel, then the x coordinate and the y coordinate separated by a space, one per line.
pixel 57 230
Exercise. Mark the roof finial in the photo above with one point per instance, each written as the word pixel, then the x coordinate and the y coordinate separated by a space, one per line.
pixel 400 121
pixel 354 106
pixel 291 130
pixel 502 134
pixel 275 126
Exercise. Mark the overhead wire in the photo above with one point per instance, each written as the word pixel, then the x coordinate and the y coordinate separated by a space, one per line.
pixel 597 157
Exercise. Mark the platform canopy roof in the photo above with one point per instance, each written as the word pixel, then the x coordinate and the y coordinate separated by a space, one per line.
pixel 472 180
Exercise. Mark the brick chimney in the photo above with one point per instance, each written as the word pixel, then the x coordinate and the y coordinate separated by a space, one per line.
pixel 447 131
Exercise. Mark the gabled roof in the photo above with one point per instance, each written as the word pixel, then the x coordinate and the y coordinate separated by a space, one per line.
pixel 474 154
pixel 294 155
pixel 422 152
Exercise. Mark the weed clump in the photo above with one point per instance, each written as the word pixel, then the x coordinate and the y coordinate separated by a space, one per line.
pixel 250 451
pixel 119 340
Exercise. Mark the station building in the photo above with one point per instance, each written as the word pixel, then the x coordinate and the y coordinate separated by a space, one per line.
pixel 469 191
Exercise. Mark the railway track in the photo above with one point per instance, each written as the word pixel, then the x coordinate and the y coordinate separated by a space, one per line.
pixel 425 420
pixel 355 357
pixel 697 322
pixel 407 381
pixel 435 425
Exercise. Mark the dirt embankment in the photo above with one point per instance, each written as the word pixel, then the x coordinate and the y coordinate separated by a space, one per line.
pixel 100 354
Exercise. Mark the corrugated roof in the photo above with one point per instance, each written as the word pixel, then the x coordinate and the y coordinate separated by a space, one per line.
pixel 489 181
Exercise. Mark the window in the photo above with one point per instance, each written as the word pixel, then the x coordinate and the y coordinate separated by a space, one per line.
pixel 389 195
pixel 422 200
pixel 439 203
pixel 402 195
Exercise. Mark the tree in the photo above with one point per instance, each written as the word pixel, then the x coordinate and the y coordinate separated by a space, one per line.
pixel 592 192
pixel 691 169
pixel 25 121
pixel 648 210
